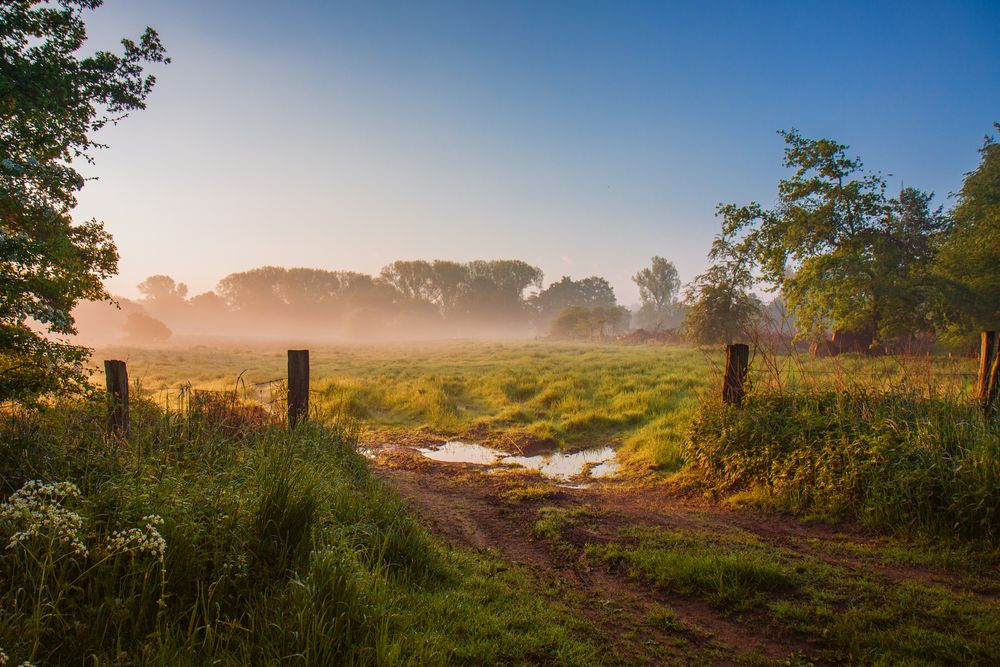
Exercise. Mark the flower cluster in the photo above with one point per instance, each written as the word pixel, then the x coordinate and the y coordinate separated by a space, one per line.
pixel 140 540
pixel 36 509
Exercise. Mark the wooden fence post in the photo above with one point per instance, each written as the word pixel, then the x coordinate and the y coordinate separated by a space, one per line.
pixel 117 380
pixel 988 382
pixel 298 386
pixel 737 365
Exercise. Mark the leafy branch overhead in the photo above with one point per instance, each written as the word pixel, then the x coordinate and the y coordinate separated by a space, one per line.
pixel 52 102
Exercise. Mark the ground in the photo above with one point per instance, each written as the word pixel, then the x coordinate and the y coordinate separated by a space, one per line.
pixel 656 570
pixel 648 565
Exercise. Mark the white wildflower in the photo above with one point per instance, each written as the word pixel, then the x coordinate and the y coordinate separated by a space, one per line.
pixel 36 509
pixel 146 540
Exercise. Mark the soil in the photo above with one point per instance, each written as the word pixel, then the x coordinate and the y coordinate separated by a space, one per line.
pixel 471 507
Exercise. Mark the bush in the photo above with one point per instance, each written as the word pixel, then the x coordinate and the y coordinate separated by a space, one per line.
pixel 895 461
pixel 590 322
pixel 141 328
pixel 188 542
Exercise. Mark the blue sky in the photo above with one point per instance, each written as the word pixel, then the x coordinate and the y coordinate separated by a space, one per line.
pixel 584 137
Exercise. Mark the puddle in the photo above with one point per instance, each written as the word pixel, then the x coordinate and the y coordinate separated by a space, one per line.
pixel 454 451
pixel 563 466
pixel 557 465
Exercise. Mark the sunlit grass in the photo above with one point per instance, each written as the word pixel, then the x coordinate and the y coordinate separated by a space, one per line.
pixel 277 547
pixel 640 398
pixel 571 395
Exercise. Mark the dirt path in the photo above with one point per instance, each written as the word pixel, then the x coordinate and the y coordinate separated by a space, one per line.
pixel 470 507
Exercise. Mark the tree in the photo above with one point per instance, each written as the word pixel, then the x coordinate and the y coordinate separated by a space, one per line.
pixel 658 285
pixel 164 297
pixel 843 254
pixel 721 308
pixel 592 291
pixel 511 276
pixel 448 280
pixel 970 253
pixel 51 103
pixel 414 279
pixel 493 292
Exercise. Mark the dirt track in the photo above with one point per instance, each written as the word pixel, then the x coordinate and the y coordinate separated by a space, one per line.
pixel 467 506
pixel 463 504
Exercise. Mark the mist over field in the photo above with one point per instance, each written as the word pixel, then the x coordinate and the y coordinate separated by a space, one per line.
pixel 407 300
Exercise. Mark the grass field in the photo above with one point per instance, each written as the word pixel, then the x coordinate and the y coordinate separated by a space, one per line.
pixel 570 396
pixel 639 398
pixel 195 540
pixel 193 545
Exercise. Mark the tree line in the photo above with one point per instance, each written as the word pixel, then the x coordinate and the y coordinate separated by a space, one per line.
pixel 406 299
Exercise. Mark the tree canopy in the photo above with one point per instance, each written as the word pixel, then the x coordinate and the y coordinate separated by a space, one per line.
pixel 970 253
pixel 721 308
pixel 843 254
pixel 566 292
pixel 52 102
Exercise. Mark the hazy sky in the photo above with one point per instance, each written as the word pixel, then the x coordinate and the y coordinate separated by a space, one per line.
pixel 584 137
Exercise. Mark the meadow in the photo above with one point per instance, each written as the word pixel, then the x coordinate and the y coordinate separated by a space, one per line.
pixel 194 544
pixel 516 394
pixel 222 536
pixel 641 398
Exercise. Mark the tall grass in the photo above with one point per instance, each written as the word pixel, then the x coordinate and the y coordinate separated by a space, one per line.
pixel 194 542
pixel 892 442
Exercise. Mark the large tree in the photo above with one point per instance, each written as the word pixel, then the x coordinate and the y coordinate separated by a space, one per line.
pixel 970 254
pixel 844 255
pixel 52 101
pixel 414 279
pixel 659 284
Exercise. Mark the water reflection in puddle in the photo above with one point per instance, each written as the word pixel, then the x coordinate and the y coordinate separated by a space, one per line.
pixel 557 465
pixel 454 451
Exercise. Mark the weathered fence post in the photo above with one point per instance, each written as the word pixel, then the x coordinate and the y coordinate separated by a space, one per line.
pixel 117 379
pixel 988 382
pixel 298 386
pixel 737 365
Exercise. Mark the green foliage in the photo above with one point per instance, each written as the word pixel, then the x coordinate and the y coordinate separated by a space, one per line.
pixel 843 254
pixel 51 103
pixel 586 293
pixel 641 396
pixel 590 323
pixel 720 307
pixel 553 522
pixel 658 283
pixel 970 254
pixel 845 613
pixel 899 461
pixel 734 580
pixel 267 547
pixel 411 298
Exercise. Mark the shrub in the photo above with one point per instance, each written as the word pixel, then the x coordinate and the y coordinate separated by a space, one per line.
pixel 895 461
